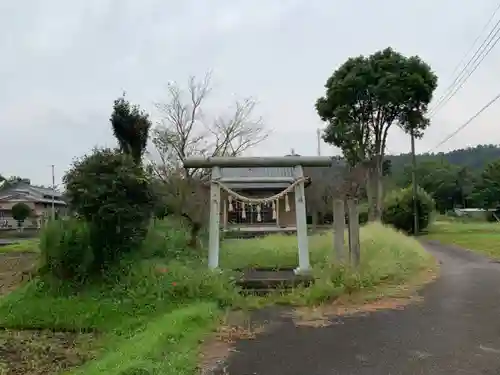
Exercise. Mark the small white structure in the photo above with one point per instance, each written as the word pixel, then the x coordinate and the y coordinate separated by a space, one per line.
pixel 296 186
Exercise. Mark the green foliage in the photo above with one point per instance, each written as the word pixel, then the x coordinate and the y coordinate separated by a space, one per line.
pixel 21 211
pixel 168 239
pixel 474 158
pixel 487 191
pixel 366 95
pixel 398 209
pixel 66 250
pixel 112 194
pixel 131 128
pixel 459 178
pixel 449 185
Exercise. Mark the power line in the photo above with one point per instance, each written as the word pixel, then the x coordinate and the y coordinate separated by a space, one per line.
pixel 476 40
pixel 450 87
pixel 460 128
pixel 477 58
pixel 465 79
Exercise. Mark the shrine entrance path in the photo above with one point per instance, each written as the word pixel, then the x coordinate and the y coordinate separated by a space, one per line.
pixel 454 330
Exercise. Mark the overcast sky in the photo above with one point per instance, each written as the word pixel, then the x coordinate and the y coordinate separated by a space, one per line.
pixel 64 62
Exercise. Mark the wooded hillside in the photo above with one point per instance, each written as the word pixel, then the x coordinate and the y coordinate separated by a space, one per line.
pixel 475 158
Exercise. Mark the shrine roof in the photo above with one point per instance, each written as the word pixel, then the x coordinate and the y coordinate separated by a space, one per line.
pixel 257 172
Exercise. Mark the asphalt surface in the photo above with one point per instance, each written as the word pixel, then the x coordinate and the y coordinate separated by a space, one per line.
pixel 455 330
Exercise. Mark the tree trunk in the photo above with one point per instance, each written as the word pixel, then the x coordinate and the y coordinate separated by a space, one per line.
pixel 194 240
pixel 314 219
pixel 353 230
pixel 370 195
pixel 380 192
pixel 374 190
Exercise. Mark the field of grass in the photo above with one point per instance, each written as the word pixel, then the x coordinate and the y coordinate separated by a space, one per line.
pixel 131 319
pixel 151 316
pixel 387 257
pixel 21 245
pixel 482 237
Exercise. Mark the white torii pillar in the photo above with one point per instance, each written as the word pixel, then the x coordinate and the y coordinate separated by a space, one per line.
pixel 301 223
pixel 297 162
pixel 214 223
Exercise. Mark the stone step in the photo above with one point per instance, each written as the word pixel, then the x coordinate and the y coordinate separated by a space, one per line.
pixel 268 279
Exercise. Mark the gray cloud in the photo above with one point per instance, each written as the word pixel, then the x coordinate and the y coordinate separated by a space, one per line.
pixel 63 63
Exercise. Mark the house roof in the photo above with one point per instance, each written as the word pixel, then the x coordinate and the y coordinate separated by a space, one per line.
pixel 21 190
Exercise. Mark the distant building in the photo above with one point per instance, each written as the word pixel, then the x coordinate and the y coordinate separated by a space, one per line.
pixel 38 198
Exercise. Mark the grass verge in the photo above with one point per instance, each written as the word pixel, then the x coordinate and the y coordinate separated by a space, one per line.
pixel 481 237
pixel 167 345
pixel 21 246
pixel 387 258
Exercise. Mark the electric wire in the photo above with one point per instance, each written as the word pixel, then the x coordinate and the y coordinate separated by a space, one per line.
pixel 476 60
pixel 463 126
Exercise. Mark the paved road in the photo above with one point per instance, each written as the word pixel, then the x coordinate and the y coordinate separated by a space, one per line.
pixel 456 330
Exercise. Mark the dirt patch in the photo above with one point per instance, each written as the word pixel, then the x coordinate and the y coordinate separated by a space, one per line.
pixel 15 268
pixel 321 316
pixel 36 352
pixel 41 352
pixel 235 326
pixel 389 297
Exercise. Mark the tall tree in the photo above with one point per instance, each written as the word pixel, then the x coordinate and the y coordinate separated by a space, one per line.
pixel 131 128
pixel 364 98
pixel 450 185
pixel 487 191
pixel 187 130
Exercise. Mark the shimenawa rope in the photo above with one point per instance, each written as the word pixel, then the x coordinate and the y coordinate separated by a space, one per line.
pixel 275 197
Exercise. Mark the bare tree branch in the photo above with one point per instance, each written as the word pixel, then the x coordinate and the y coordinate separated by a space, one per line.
pixel 184 130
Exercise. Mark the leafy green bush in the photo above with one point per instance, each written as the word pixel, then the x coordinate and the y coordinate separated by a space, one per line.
pixel 20 212
pixel 66 251
pixel 112 194
pixel 168 239
pixel 363 213
pixel 398 209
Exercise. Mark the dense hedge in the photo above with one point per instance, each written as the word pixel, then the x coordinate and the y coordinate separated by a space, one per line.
pixel 111 196
pixel 398 209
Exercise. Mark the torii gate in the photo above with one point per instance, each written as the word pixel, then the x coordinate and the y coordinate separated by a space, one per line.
pixel 297 162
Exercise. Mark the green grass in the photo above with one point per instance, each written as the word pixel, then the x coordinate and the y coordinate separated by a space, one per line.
pixel 119 304
pixel 152 313
pixel 387 257
pixel 21 246
pixel 148 308
pixel 481 237
pixel 167 345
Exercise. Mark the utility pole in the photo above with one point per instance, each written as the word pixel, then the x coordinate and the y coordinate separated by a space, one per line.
pixel 414 183
pixel 318 135
pixel 53 193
